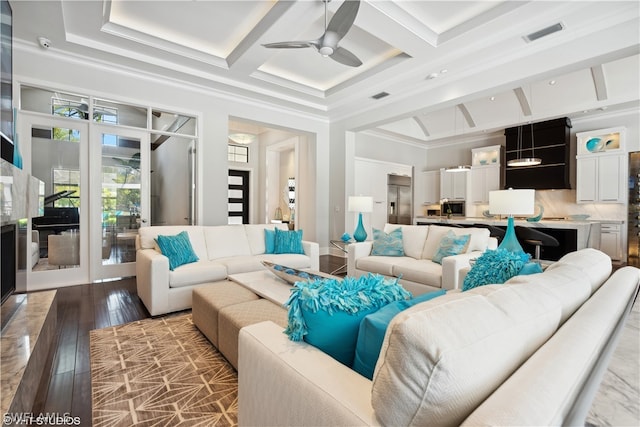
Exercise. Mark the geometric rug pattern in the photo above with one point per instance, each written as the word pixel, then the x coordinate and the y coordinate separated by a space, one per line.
pixel 160 372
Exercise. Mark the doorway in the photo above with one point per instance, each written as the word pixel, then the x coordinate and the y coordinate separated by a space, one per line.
pixel 238 211
pixel 105 165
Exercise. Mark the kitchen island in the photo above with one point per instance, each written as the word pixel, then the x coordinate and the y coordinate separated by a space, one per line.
pixel 572 235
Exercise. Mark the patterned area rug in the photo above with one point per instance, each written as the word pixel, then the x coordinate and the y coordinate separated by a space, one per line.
pixel 160 372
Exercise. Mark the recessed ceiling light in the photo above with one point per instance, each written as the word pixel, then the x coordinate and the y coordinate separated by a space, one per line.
pixel 443 71
pixel 432 76
pixel 552 82
pixel 493 98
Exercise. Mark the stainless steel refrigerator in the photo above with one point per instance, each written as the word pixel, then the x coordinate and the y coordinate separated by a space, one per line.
pixel 633 220
pixel 399 206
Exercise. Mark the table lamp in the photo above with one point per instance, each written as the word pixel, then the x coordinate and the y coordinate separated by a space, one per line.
pixel 360 204
pixel 511 202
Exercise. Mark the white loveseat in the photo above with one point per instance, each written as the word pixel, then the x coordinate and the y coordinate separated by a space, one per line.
pixel 529 352
pixel 416 270
pixel 222 250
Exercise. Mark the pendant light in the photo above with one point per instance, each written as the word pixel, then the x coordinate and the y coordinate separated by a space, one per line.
pixel 458 168
pixel 525 161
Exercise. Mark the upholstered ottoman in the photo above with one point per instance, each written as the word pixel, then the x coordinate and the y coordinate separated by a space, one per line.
pixel 232 318
pixel 208 300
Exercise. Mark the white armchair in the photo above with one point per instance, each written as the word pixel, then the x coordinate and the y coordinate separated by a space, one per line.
pixel 33 246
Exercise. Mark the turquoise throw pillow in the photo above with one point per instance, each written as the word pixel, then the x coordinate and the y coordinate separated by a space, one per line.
pixel 288 242
pixel 269 241
pixel 327 313
pixel 178 249
pixel 373 328
pixel 494 267
pixel 387 244
pixel 450 244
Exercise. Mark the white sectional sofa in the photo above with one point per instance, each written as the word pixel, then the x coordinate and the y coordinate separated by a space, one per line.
pixel 222 250
pixel 529 352
pixel 416 270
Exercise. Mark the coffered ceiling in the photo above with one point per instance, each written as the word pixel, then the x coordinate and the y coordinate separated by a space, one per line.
pixel 448 67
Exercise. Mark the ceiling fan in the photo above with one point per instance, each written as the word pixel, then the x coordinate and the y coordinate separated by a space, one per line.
pixel 327 44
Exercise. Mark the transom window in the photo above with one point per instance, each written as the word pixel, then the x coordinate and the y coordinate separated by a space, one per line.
pixel 238 154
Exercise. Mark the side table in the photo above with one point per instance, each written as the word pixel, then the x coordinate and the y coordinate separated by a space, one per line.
pixel 342 245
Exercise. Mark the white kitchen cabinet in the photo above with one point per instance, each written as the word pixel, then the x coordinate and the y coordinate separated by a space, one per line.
pixel 611 240
pixel 431 182
pixel 453 185
pixel 483 180
pixel 601 178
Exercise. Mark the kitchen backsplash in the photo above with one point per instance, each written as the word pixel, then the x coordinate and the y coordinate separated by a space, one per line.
pixel 562 203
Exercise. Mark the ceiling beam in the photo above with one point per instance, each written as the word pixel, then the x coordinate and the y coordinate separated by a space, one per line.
pixel 599 82
pixel 422 126
pixel 525 105
pixel 467 115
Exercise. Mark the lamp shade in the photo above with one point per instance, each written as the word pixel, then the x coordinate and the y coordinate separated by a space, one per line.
pixel 512 202
pixel 360 204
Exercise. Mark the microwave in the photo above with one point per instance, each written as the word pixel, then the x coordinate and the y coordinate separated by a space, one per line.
pixel 456 207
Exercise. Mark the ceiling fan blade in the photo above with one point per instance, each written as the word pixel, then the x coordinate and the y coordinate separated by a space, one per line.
pixel 343 19
pixel 345 57
pixel 289 45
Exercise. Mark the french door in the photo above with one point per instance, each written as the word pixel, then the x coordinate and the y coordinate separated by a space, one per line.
pixel 120 169
pixel 54 245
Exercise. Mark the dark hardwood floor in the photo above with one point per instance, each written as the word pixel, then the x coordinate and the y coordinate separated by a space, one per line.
pixel 65 387
pixel 66 382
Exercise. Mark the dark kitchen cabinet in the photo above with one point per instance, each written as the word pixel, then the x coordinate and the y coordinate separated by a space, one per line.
pixel 550 144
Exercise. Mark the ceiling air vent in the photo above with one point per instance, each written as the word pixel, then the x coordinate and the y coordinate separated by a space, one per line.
pixel 544 32
pixel 380 95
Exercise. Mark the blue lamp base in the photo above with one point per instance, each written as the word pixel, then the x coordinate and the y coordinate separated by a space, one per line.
pixel 360 235
pixel 510 241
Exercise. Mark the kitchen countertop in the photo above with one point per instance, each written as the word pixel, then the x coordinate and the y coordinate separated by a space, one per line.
pixel 544 223
pixel 588 232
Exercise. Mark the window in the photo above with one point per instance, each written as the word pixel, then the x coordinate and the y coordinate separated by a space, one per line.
pixel 67 180
pixel 104 114
pixel 63 134
pixel 66 108
pixel 239 154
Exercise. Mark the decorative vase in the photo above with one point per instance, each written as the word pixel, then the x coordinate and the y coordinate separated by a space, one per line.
pixel 537 217
pixel 510 241
pixel 360 235
pixel 17 156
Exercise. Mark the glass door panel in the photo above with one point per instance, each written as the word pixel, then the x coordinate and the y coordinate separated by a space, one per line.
pixel 119 198
pixel 56 242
